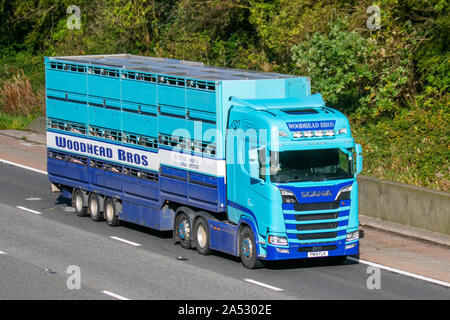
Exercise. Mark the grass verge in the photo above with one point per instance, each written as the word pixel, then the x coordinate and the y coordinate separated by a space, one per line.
pixel 15 122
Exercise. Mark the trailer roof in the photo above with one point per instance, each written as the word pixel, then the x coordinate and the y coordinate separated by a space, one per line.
pixel 166 66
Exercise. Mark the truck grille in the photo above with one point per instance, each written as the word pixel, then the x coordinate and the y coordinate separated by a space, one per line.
pixel 311 228
pixel 316 206
pixel 319 216
pixel 320 235
pixel 316 226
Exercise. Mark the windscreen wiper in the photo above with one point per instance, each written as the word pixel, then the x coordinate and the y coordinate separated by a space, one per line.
pixel 333 178
pixel 298 180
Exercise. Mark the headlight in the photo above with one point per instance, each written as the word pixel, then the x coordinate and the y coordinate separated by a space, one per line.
pixel 342 131
pixel 276 240
pixel 344 193
pixel 351 236
pixel 288 196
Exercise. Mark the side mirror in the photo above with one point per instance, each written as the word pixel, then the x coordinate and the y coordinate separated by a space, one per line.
pixel 359 159
pixel 254 165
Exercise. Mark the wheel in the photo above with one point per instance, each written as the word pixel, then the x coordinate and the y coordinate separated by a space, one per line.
pixel 201 236
pixel 94 207
pixel 182 231
pixel 247 249
pixel 112 210
pixel 77 203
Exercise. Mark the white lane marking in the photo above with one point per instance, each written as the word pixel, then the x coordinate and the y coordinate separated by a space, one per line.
pixel 126 241
pixel 114 295
pixel 29 144
pixel 29 210
pixel 263 285
pixel 406 273
pixel 33 199
pixel 22 166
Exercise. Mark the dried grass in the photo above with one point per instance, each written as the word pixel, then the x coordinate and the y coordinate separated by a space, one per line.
pixel 17 96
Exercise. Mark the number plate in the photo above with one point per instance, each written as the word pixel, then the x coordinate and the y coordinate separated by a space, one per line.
pixel 317 254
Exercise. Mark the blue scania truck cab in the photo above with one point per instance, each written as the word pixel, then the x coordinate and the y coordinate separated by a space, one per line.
pixel 247 163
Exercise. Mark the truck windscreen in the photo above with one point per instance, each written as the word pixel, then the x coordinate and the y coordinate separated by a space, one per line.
pixel 311 165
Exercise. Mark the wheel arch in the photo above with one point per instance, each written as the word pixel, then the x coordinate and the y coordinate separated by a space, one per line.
pixel 188 212
pixel 84 195
pixel 101 200
pixel 246 222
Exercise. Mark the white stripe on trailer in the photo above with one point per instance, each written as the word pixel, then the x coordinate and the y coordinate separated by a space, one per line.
pixel 119 154
pixel 101 149
pixel 203 165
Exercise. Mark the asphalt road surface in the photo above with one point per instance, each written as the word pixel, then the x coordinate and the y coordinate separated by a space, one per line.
pixel 45 248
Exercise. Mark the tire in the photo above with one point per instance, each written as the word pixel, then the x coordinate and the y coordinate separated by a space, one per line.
pixel 111 212
pixel 182 230
pixel 201 236
pixel 77 203
pixel 247 249
pixel 94 207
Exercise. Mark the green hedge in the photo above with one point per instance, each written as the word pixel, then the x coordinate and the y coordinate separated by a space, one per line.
pixel 392 82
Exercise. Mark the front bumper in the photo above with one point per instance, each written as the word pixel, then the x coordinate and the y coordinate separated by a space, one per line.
pixel 296 251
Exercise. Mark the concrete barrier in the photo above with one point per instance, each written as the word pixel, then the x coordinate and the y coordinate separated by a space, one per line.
pixel 404 204
pixel 38 125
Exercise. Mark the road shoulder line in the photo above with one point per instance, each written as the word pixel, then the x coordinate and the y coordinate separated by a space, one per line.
pixel 22 166
pixel 405 273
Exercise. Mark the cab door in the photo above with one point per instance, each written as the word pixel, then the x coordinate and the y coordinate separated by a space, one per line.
pixel 242 137
pixel 235 119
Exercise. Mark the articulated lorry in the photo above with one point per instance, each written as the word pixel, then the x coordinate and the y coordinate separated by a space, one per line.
pixel 247 163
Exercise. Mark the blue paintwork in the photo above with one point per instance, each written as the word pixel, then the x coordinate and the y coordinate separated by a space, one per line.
pixel 223 237
pixel 262 201
pixel 146 105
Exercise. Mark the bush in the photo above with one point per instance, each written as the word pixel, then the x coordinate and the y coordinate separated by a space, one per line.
pixel 339 64
pixel 353 72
